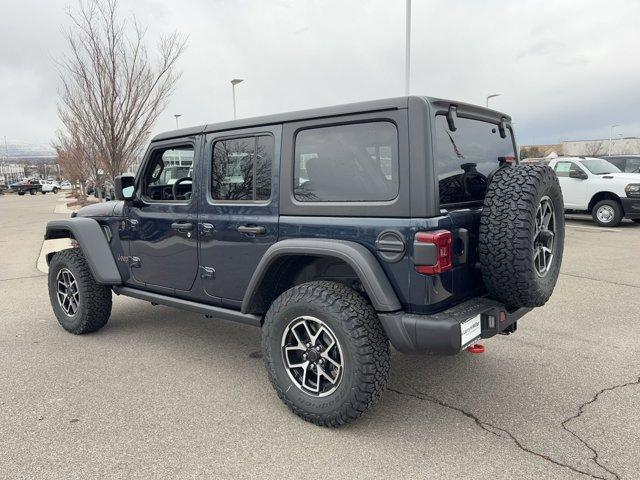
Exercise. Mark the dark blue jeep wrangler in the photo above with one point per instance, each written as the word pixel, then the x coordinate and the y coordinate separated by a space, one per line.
pixel 336 230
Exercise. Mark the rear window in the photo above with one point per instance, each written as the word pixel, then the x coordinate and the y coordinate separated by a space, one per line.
pixel 466 157
pixel 347 163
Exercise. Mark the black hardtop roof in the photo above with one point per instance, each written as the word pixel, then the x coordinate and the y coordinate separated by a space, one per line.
pixel 345 109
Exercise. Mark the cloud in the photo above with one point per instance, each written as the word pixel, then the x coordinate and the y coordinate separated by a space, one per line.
pixel 563 71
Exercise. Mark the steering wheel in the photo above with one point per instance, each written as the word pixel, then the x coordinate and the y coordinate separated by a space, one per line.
pixel 174 189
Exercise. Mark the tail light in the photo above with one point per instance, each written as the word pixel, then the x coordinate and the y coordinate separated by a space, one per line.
pixel 432 252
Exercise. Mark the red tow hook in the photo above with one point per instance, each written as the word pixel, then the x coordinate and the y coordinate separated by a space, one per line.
pixel 475 348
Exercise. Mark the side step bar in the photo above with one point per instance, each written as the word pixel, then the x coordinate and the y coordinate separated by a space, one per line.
pixel 209 310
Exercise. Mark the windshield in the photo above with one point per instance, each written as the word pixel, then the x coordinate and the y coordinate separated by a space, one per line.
pixel 599 166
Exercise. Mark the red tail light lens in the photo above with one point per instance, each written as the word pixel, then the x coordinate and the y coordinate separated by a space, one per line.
pixel 443 258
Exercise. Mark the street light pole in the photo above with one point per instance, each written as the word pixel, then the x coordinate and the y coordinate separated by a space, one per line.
pixel 492 96
pixel 177 116
pixel 407 58
pixel 611 135
pixel 234 82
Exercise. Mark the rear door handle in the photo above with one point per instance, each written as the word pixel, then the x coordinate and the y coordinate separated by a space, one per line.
pixel 252 229
pixel 182 226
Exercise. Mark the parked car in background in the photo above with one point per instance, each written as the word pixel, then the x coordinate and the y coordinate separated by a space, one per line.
pixel 626 163
pixel 26 186
pixel 598 187
pixel 49 186
pixel 65 185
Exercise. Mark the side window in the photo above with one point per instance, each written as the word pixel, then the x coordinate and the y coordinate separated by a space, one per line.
pixel 241 168
pixel 562 168
pixel 347 163
pixel 632 165
pixel 166 167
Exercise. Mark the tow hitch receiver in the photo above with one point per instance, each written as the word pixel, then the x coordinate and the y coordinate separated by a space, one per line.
pixel 475 348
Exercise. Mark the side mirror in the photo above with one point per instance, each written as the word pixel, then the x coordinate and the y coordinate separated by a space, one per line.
pixel 579 174
pixel 125 187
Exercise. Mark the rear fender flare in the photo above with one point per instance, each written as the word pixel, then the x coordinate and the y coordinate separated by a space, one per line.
pixel 359 258
pixel 91 240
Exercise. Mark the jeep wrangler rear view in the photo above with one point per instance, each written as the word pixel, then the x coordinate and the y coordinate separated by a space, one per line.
pixel 336 231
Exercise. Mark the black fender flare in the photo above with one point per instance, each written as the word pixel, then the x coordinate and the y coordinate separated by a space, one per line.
pixel 367 267
pixel 92 242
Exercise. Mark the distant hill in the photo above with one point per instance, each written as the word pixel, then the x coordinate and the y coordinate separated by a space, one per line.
pixel 26 151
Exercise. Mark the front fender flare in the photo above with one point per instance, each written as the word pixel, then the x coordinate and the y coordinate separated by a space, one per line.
pixel 92 242
pixel 358 257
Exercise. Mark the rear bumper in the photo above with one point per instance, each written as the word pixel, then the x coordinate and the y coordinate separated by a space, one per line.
pixel 631 207
pixel 441 333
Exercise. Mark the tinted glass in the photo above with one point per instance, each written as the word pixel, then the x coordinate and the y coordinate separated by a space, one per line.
pixel 466 157
pixel 242 168
pixel 599 166
pixel 632 165
pixel 347 163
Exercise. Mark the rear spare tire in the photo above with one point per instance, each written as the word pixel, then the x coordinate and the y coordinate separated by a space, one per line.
pixel 522 235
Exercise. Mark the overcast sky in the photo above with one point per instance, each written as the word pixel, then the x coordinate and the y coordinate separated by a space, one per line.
pixel 566 69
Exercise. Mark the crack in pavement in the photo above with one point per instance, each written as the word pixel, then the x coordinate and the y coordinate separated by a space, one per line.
pixel 585 277
pixel 22 278
pixel 595 457
pixel 492 429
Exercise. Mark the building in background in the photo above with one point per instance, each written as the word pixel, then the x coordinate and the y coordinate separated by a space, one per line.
pixel 595 148
pixel 11 172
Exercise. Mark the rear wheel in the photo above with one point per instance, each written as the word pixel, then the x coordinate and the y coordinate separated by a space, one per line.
pixel 22 192
pixel 43 192
pixel 522 235
pixel 607 213
pixel 80 303
pixel 326 353
pixel 32 191
pixel 55 189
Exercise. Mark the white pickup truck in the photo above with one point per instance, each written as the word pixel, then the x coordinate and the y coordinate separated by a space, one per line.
pixel 598 187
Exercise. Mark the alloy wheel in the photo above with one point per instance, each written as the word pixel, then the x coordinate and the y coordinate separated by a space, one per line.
pixel 67 292
pixel 544 236
pixel 312 356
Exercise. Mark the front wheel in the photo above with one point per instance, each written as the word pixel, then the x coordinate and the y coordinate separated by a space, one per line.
pixel 21 193
pixel 80 304
pixel 326 353
pixel 43 192
pixel 32 191
pixel 607 213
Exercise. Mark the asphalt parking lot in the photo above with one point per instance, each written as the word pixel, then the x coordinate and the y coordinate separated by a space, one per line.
pixel 160 393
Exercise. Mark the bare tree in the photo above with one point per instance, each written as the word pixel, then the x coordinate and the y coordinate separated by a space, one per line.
pixel 595 148
pixel 112 93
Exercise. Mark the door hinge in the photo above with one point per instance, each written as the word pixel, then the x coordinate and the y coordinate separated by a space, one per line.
pixel 135 262
pixel 207 272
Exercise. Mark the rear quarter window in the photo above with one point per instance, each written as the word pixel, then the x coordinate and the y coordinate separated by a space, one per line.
pixel 356 162
pixel 465 158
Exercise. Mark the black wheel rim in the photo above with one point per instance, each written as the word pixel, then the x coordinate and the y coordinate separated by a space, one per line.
pixel 312 356
pixel 67 292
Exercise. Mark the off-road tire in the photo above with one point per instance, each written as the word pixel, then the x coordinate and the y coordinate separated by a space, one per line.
pixel 617 213
pixel 507 231
pixel 361 337
pixel 94 306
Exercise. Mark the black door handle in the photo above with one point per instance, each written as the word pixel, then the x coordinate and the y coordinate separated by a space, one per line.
pixel 182 226
pixel 252 229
